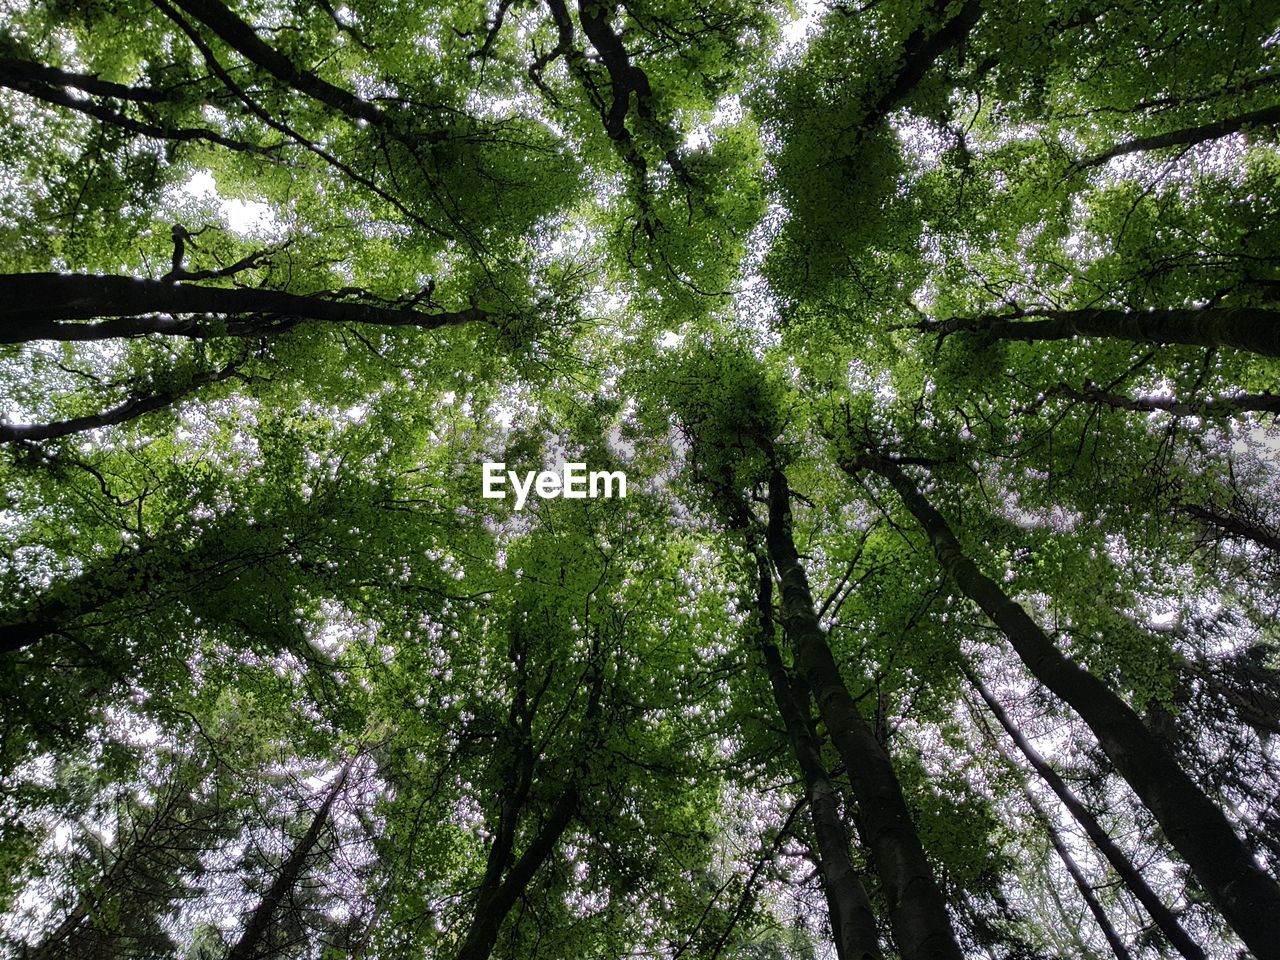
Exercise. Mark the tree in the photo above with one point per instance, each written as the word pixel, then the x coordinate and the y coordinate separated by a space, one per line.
pixel 936 341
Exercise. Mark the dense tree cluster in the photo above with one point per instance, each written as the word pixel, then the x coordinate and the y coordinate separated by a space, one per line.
pixel 939 341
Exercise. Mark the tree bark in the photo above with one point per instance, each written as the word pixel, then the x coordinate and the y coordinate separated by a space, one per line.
pixel 920 52
pixel 260 920
pixel 853 922
pixel 37 306
pixel 14 69
pixel 494 904
pixel 1122 865
pixel 1247 897
pixel 918 913
pixel 1244 328
pixel 503 885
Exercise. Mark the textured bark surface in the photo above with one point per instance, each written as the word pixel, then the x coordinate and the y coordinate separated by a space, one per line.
pixel 918 913
pixel 853 923
pixel 1244 328
pixel 39 306
pixel 1248 898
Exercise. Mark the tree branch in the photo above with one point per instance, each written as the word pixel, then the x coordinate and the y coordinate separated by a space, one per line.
pixel 133 408
pixel 1188 136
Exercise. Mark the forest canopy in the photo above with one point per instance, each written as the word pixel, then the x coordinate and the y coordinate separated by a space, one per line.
pixel 938 342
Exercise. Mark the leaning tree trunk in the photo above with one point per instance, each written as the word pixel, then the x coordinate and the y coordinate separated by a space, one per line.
pixel 853 924
pixel 918 912
pixel 50 306
pixel 495 903
pixel 1255 329
pixel 252 939
pixel 1123 867
pixel 1114 940
pixel 1247 897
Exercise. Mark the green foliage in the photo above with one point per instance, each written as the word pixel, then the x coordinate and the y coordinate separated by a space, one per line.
pixel 250 566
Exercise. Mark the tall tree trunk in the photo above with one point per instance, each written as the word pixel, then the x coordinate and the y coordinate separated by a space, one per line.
pixel 260 921
pixel 920 51
pixel 38 306
pixel 918 912
pixel 495 903
pixel 1255 329
pixel 853 922
pixel 1193 824
pixel 1123 867
pixel 1087 893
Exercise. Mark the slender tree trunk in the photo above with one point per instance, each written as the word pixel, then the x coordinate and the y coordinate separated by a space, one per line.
pixel 38 306
pixel 494 904
pixel 853 923
pixel 260 921
pixel 502 886
pixel 1193 824
pixel 918 912
pixel 1071 938
pixel 1087 893
pixel 1123 867
pixel 92 926
pixel 921 50
pixel 1114 940
pixel 1245 328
